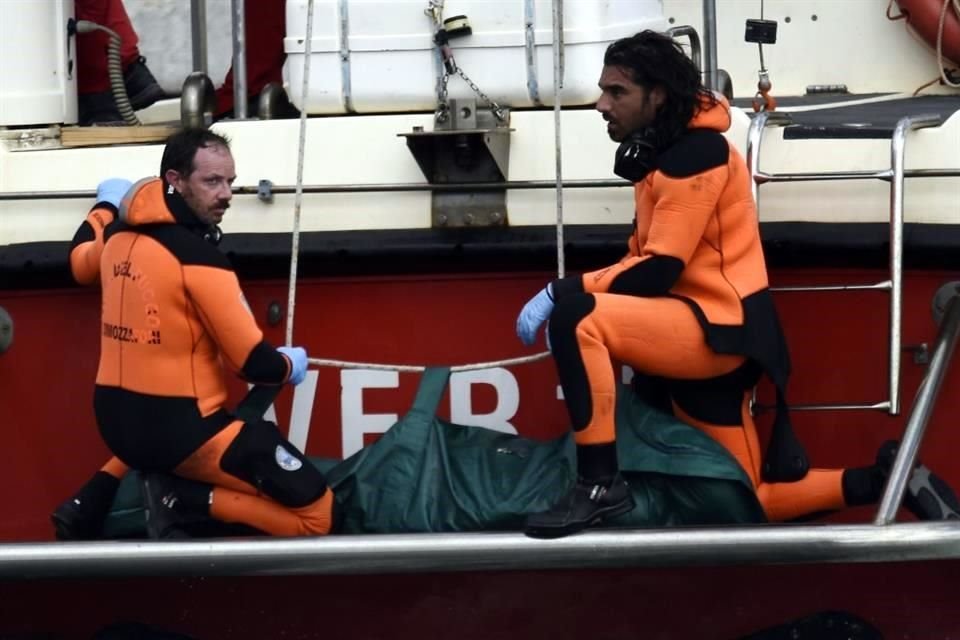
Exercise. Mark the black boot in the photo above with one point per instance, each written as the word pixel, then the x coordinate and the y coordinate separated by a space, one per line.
pixel 173 503
pixel 98 109
pixel 927 496
pixel 587 504
pixel 81 517
pixel 142 88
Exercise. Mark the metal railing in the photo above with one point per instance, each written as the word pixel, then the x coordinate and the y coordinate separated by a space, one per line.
pixel 922 409
pixel 435 552
pixel 354 188
pixel 895 175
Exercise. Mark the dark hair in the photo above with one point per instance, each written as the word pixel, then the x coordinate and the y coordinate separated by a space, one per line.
pixel 654 59
pixel 182 147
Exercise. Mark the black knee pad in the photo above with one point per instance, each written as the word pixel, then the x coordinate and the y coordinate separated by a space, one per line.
pixel 716 400
pixel 654 391
pixel 261 456
pixel 563 342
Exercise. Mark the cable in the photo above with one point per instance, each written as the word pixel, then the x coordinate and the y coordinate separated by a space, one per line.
pixel 298 198
pixel 940 26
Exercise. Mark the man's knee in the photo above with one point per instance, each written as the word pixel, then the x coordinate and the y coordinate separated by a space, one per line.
pixel 261 456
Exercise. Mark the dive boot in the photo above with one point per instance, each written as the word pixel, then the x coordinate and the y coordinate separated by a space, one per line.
pixel 81 516
pixel 927 496
pixel 142 88
pixel 172 504
pixel 588 503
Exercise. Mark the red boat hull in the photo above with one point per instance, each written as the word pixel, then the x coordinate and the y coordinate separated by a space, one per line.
pixel 902 601
pixel 839 349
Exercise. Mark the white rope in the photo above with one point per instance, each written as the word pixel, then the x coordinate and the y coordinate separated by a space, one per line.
pixel 344 364
pixel 298 198
pixel 940 27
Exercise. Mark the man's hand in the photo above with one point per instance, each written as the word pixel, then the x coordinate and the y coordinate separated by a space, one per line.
pixel 534 314
pixel 112 190
pixel 298 363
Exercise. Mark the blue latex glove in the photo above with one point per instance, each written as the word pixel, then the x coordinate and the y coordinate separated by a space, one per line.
pixel 298 363
pixel 112 190
pixel 534 314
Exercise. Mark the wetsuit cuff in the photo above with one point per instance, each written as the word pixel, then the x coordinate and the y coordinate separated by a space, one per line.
pixel 563 287
pixel 109 206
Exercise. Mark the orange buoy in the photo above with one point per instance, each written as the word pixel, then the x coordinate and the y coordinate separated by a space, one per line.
pixel 924 17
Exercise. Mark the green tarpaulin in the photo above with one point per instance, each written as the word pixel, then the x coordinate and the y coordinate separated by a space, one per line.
pixel 428 475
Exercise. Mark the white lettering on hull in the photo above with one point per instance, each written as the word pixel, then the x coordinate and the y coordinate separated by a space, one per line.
pixel 354 422
pixel 508 399
pixel 357 423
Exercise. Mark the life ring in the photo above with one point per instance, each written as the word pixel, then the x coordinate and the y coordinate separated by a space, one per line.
pixel 924 17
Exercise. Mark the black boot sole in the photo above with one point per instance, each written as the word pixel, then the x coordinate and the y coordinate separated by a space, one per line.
pixel 69 523
pixel 548 532
pixel 930 498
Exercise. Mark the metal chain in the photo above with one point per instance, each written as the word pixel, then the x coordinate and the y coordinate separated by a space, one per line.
pixel 496 108
pixel 443 109
pixel 434 11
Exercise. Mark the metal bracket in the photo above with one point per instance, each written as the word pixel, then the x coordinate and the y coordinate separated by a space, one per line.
pixel 6 330
pixel 265 191
pixel 470 146
pixel 942 297
pixel 921 352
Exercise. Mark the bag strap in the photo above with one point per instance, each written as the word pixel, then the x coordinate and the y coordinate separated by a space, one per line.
pixel 432 385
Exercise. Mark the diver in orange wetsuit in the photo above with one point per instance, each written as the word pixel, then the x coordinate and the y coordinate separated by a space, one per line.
pixel 81 516
pixel 172 313
pixel 688 307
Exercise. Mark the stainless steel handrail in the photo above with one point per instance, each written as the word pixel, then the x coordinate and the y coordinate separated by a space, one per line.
pixel 435 552
pixel 239 60
pixel 710 44
pixel 356 188
pixel 920 415
pixel 895 175
pixel 690 32
pixel 884 174
pixel 198 31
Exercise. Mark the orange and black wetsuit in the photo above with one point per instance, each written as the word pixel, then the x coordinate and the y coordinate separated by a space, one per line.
pixel 173 316
pixel 85 251
pixel 87 243
pixel 689 305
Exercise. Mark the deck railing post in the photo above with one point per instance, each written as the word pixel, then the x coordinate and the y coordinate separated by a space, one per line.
pixel 198 30
pixel 710 44
pixel 920 414
pixel 239 60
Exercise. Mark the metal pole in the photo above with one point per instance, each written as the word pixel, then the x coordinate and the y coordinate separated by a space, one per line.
pixel 710 44
pixel 471 552
pixel 897 151
pixel 198 30
pixel 239 61
pixel 754 138
pixel 557 86
pixel 691 33
pixel 387 187
pixel 920 415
